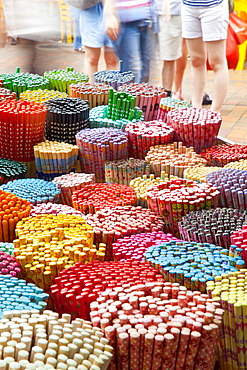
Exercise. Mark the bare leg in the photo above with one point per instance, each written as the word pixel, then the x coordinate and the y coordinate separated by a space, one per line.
pixel 180 66
pixel 217 60
pixel 168 72
pixel 197 52
pixel 92 56
pixel 111 60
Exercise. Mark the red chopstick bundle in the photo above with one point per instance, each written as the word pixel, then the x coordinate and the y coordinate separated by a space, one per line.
pixel 220 155
pixel 82 284
pixel 94 197
pixel 22 127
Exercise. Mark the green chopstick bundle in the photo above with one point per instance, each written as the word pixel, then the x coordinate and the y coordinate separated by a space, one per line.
pixel 98 117
pixel 19 82
pixel 121 105
pixel 11 170
pixel 61 79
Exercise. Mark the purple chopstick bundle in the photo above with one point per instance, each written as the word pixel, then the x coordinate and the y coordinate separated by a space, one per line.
pixel 96 146
pixel 232 185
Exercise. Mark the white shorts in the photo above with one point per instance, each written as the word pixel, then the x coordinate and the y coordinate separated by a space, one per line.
pixel 170 37
pixel 210 23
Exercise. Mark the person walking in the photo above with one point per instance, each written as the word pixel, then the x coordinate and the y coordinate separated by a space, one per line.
pixel 93 39
pixel 76 14
pixel 123 22
pixel 170 43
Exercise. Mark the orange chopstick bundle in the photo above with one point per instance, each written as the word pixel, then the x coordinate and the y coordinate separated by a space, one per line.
pixel 95 93
pixel 12 209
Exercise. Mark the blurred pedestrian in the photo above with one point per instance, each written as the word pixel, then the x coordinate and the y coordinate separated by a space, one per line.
pixel 76 13
pixel 148 30
pixel 127 22
pixel 3 31
pixel 170 43
pixel 28 21
pixel 93 39
pixel 180 67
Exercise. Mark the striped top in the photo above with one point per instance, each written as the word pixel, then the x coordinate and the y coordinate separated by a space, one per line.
pixel 202 3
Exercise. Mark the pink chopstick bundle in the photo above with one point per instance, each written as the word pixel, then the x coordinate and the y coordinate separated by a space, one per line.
pixel 148 98
pixel 135 246
pixel 70 182
pixel 174 199
pixel 159 326
pixel 111 224
pixel 143 135
pixel 53 208
pixel 197 127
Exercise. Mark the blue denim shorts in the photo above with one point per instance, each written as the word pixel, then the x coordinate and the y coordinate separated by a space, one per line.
pixel 92 31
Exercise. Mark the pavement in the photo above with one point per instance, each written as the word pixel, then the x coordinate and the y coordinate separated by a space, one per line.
pixel 40 57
